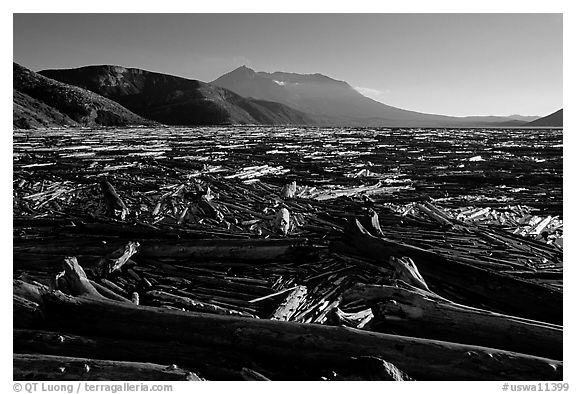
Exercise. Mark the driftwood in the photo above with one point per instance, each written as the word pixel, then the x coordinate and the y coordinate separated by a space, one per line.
pixel 115 260
pixel 75 277
pixel 231 249
pixel 281 222
pixel 195 305
pixel 26 305
pixel 368 368
pixel 190 194
pixel 106 292
pixel 406 270
pixel 28 291
pixel 251 375
pixel 113 287
pixel 114 204
pixel 26 313
pixel 357 320
pixel 210 362
pixel 290 305
pixel 425 315
pixel 419 358
pixel 502 292
pixel 288 190
pixel 46 367
pixel 49 254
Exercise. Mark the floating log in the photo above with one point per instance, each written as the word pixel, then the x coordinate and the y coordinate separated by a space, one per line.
pixel 28 291
pixel 78 283
pixel 288 190
pixel 26 305
pixel 368 368
pixel 47 367
pixel 229 249
pixel 115 260
pixel 273 295
pixel 281 222
pixel 210 362
pixel 419 358
pixel 26 313
pixel 251 375
pixel 290 305
pixel 425 315
pixel 407 271
pixel 106 292
pixel 52 251
pixel 504 293
pixel 357 320
pixel 114 204
pixel 195 305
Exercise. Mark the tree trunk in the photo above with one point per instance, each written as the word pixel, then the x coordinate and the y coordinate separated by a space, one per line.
pixel 44 367
pixel 288 307
pixel 228 249
pixel 413 313
pixel 76 279
pixel 502 292
pixel 210 362
pixel 115 260
pixel 114 204
pixel 419 358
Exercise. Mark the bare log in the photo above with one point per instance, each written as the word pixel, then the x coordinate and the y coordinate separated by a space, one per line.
pixel 114 204
pixel 249 374
pixel 420 358
pixel 106 292
pixel 195 305
pixel 28 291
pixel 288 190
pixel 229 249
pixel 27 304
pixel 424 315
pixel 478 285
pixel 290 305
pixel 76 279
pixel 115 260
pixel 45 367
pixel 196 249
pixel 210 362
pixel 281 222
pixel 407 271
pixel 26 313
pixel 368 368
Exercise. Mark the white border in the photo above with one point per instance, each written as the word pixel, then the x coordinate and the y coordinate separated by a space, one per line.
pixel 435 6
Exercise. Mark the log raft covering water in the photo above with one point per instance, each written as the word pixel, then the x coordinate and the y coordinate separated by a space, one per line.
pixel 254 253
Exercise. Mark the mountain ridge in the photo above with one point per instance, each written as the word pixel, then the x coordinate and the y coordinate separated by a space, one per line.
pixel 174 100
pixel 555 119
pixel 241 96
pixel 334 101
pixel 39 101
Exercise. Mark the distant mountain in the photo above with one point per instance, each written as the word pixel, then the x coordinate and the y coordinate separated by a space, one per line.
pixel 555 119
pixel 42 102
pixel 523 118
pixel 177 101
pixel 334 102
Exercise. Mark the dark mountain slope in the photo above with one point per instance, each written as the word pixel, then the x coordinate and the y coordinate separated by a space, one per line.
pixel 42 102
pixel 336 102
pixel 174 100
pixel 30 113
pixel 555 119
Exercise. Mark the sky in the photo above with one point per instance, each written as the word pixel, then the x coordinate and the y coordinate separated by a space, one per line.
pixel 450 64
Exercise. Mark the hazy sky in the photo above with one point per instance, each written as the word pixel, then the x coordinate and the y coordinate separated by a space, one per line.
pixel 452 64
